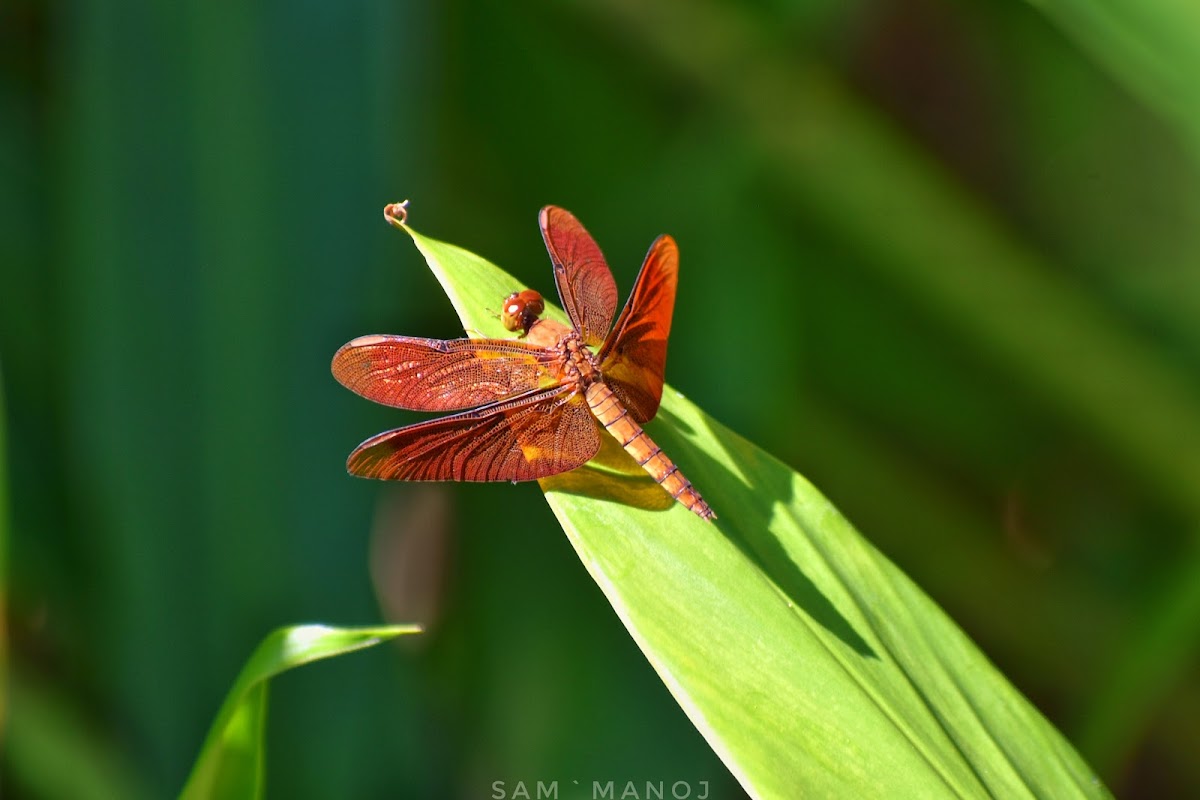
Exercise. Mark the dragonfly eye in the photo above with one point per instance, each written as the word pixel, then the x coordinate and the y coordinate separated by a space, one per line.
pixel 521 310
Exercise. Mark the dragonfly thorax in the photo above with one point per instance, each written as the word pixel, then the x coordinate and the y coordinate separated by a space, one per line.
pixel 576 363
pixel 582 360
pixel 548 334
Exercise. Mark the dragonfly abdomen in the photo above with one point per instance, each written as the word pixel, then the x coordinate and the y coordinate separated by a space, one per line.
pixel 616 420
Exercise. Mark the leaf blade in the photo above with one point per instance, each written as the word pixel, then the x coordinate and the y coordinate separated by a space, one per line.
pixel 807 660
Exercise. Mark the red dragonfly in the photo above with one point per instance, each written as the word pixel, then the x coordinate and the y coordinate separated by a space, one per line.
pixel 536 402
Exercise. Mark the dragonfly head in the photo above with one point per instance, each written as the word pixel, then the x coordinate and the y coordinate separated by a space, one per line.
pixel 521 310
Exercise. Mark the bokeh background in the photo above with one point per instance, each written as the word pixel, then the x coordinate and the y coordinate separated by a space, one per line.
pixel 941 257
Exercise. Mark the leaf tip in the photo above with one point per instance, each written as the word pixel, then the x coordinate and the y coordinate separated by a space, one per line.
pixel 396 214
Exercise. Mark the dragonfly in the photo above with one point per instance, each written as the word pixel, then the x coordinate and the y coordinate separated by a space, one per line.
pixel 532 406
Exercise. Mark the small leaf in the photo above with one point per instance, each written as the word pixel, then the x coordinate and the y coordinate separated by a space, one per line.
pixel 810 664
pixel 230 764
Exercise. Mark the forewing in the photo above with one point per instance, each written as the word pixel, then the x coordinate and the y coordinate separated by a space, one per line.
pixel 437 375
pixel 634 356
pixel 585 283
pixel 532 436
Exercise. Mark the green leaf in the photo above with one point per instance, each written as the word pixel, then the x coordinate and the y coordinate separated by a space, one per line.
pixel 810 664
pixel 231 761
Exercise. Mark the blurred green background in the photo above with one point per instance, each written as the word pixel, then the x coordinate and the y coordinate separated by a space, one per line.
pixel 941 257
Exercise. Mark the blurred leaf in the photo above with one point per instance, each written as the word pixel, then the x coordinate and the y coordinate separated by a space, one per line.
pixel 806 659
pixel 1152 47
pixel 231 762
pixel 52 750
pixel 4 561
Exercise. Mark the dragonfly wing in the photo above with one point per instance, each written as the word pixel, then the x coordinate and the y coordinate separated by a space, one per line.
pixel 634 356
pixel 531 436
pixel 585 283
pixel 437 375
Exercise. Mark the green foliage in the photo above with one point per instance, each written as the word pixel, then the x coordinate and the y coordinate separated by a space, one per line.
pixel 51 749
pixel 938 256
pixel 811 665
pixel 4 517
pixel 231 762
pixel 1153 47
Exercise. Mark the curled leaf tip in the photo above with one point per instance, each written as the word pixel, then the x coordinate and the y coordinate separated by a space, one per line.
pixel 396 213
